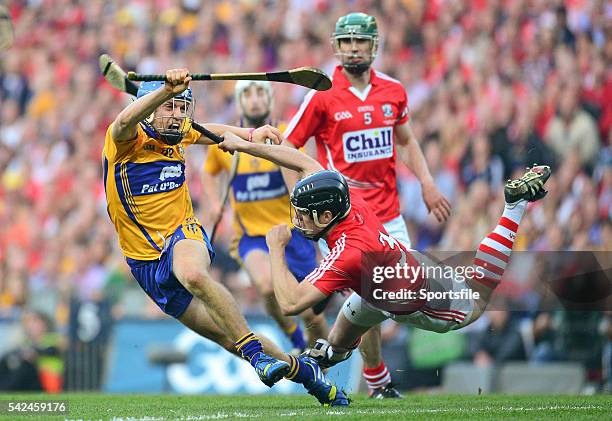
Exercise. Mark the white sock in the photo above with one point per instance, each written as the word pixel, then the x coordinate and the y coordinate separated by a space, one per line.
pixel 515 211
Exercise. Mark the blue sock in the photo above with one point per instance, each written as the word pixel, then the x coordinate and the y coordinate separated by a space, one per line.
pixel 249 347
pixel 300 372
pixel 296 336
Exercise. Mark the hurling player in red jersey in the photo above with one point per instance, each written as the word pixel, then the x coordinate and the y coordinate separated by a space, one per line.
pixel 360 126
pixel 324 207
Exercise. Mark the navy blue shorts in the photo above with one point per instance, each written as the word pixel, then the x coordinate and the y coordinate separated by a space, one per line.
pixel 157 279
pixel 300 252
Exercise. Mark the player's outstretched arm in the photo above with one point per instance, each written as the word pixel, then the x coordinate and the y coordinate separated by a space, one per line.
pixel 411 155
pixel 291 177
pixel 281 155
pixel 126 123
pixel 258 135
pixel 292 297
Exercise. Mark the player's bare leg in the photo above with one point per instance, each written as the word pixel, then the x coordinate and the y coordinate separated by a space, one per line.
pixel 345 335
pixel 315 326
pixel 190 265
pixel 197 319
pixel 371 347
pixel 257 265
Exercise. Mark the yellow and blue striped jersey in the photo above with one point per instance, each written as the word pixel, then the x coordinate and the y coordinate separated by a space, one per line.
pixel 146 193
pixel 259 195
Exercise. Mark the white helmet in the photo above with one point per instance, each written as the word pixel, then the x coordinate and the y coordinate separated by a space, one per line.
pixel 242 85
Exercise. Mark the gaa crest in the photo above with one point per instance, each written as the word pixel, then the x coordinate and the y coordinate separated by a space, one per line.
pixel 387 110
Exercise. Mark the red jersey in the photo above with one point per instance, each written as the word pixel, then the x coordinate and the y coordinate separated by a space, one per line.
pixel 357 245
pixel 354 135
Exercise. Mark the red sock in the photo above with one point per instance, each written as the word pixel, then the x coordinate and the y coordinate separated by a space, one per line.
pixel 377 377
pixel 494 252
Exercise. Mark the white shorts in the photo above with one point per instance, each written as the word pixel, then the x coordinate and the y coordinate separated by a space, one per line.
pixel 437 315
pixel 398 230
pixel 395 227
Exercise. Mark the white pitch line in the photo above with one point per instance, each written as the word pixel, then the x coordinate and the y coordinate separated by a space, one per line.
pixel 372 411
pixel 509 408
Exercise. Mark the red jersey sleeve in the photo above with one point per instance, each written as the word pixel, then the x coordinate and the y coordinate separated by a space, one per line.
pixel 307 121
pixel 403 108
pixel 334 272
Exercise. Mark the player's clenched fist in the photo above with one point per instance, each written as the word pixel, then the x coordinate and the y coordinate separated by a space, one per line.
pixel 232 143
pixel 263 133
pixel 177 80
pixel 278 236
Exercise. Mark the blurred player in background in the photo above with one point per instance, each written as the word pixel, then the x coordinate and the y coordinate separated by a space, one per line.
pixel 358 125
pixel 165 245
pixel 260 201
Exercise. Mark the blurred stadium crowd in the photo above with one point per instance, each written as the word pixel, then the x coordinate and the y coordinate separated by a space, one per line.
pixel 493 86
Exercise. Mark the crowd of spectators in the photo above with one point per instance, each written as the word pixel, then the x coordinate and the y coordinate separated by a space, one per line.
pixel 493 86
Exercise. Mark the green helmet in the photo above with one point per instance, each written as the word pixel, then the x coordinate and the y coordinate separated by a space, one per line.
pixel 360 26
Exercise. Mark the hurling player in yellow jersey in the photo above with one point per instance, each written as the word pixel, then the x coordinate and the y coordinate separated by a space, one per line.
pixel 260 201
pixel 164 243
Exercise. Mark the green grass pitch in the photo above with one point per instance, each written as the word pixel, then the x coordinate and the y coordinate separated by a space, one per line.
pixel 304 407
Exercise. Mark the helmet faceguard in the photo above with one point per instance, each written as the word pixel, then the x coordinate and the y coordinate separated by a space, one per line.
pixel 171 121
pixel 355 26
pixel 319 192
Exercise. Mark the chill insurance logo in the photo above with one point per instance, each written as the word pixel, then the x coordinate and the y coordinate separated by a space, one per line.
pixel 368 145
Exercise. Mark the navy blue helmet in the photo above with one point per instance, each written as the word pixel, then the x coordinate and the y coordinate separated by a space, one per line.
pixel 322 191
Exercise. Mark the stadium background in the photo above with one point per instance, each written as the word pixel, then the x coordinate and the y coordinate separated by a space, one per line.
pixel 493 86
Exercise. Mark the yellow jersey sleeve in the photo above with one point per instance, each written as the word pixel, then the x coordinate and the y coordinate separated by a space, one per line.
pixel 216 160
pixel 115 150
